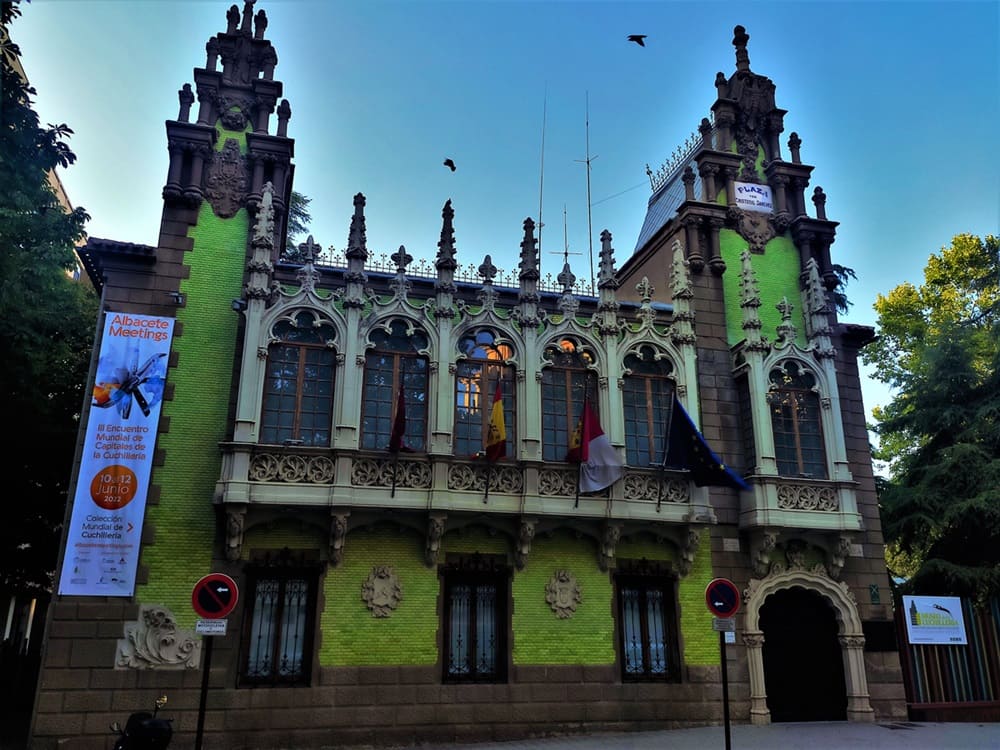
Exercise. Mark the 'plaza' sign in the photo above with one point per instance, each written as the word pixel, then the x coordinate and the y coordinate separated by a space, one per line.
pixel 753 197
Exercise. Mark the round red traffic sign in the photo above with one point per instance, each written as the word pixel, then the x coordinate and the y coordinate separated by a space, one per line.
pixel 722 597
pixel 214 596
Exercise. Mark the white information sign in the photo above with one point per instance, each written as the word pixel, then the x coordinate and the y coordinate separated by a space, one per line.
pixel 935 620
pixel 102 541
pixel 211 627
pixel 753 197
pixel 724 624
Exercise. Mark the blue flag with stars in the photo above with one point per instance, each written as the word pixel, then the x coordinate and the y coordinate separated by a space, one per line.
pixel 687 449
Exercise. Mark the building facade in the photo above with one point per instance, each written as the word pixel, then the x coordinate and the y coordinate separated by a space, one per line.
pixel 434 593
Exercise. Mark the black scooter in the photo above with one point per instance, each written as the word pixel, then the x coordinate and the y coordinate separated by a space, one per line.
pixel 144 731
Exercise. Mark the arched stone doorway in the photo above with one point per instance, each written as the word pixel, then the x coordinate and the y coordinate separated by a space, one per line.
pixel 803 669
pixel 850 638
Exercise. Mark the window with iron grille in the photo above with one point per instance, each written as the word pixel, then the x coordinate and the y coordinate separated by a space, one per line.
pixel 647 396
pixel 647 623
pixel 796 420
pixel 395 359
pixel 298 383
pixel 476 379
pixel 565 384
pixel 475 622
pixel 278 627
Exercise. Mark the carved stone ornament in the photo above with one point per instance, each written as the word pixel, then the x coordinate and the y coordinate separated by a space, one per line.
pixel 235 519
pixel 338 537
pixel 226 180
pixel 562 593
pixel 381 592
pixel 155 642
pixel 755 227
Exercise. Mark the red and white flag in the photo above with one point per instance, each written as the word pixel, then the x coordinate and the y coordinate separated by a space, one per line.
pixel 600 465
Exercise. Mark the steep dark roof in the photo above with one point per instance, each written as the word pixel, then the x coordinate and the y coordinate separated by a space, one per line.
pixel 664 202
pixel 97 253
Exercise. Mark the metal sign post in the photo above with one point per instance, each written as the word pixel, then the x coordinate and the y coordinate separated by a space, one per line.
pixel 723 600
pixel 213 597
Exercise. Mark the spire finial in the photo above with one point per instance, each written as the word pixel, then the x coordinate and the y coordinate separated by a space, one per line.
pixel 247 17
pixel 740 39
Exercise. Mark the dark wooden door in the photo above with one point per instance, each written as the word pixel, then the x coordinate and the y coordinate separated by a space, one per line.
pixel 803 665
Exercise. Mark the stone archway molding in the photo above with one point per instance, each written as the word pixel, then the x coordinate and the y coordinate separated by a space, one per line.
pixel 850 636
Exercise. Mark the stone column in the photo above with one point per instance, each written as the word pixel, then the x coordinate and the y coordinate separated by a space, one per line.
pixel 855 678
pixel 759 713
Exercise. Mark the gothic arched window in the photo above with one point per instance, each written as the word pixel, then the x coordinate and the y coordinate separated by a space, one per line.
pixel 476 378
pixel 565 383
pixel 395 360
pixel 298 383
pixel 793 400
pixel 647 396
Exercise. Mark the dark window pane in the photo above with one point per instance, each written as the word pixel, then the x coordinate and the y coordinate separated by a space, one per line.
pixel 278 635
pixel 647 615
pixel 796 422
pixel 475 622
pixel 647 395
pixel 298 383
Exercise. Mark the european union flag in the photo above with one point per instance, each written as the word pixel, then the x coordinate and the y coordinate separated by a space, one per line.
pixel 687 449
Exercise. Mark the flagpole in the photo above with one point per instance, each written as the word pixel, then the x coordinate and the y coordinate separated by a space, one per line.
pixel 666 449
pixel 395 453
pixel 583 436
pixel 489 477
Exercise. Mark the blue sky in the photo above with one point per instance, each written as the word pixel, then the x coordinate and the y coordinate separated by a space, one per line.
pixel 896 104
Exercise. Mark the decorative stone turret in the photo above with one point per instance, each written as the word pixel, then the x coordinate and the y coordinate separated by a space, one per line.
pixel 357 254
pixel 400 284
pixel 682 330
pixel 750 305
pixel 528 313
pixel 446 265
pixel 244 93
pixel 606 318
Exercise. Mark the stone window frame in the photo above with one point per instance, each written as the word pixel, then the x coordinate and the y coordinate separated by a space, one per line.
pixel 308 335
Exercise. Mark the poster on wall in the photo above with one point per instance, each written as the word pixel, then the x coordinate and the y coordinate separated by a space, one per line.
pixel 102 541
pixel 935 620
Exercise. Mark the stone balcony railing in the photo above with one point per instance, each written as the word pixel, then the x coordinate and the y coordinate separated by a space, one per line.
pixel 278 475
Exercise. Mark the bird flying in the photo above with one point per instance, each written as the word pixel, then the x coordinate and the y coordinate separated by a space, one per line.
pixel 450 164
pixel 638 39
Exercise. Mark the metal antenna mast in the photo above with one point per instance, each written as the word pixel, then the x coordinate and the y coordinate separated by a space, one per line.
pixel 565 253
pixel 541 177
pixel 590 228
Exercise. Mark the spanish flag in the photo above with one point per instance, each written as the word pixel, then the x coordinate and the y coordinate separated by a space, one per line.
pixel 496 434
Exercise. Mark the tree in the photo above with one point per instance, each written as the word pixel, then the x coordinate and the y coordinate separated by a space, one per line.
pixel 47 332
pixel 939 348
pixel 298 223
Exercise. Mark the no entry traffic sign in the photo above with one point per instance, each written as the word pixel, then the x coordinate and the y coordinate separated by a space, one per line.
pixel 722 597
pixel 214 596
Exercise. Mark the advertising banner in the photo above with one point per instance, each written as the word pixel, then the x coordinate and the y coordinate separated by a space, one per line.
pixel 935 620
pixel 752 197
pixel 102 541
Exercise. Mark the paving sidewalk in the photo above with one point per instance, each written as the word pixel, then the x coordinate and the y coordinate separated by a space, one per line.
pixel 835 735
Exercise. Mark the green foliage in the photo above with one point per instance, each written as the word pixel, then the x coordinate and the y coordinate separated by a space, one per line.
pixel 838 296
pixel 47 331
pixel 939 347
pixel 298 224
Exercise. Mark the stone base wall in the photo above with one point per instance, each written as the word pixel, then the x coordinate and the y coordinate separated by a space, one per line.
pixel 81 695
